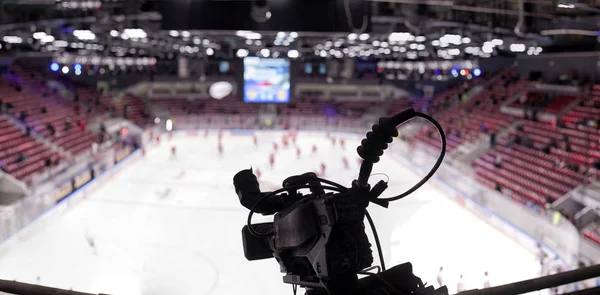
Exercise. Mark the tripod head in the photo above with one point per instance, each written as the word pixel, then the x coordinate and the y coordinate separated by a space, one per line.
pixel 319 239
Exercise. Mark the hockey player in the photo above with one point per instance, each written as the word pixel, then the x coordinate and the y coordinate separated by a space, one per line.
pixel 541 256
pixel 255 140
pixel 285 142
pixel 298 152
pixel 342 143
pixel 333 141
pixel 91 242
pixel 323 168
pixel 275 146
pixel 346 164
pixel 173 152
pixel 486 280
pixel 314 149
pixel 220 148
pixel 460 286
pixel 272 160
pixel 440 276
pixel 170 135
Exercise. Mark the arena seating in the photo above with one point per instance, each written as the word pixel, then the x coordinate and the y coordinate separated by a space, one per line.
pixel 547 159
pixel 467 121
pixel 205 105
pixel 132 108
pixel 21 155
pixel 46 112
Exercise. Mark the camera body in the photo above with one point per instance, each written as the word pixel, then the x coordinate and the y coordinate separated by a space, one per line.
pixel 319 239
pixel 316 238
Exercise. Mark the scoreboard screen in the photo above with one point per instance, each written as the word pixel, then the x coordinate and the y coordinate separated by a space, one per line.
pixel 266 80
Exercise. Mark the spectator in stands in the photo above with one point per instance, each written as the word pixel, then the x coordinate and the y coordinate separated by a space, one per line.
pixel 1 105
pixel 484 127
pixel 48 162
pixel 21 158
pixel 51 129
pixel 68 123
pixel 27 131
pixel 596 164
pixel 498 161
pixel 526 141
pixel 492 139
pixel 43 110
pixel 24 115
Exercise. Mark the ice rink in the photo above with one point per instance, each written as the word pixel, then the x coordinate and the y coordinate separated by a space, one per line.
pixel 167 225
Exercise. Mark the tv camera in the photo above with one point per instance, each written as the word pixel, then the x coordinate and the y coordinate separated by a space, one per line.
pixel 319 239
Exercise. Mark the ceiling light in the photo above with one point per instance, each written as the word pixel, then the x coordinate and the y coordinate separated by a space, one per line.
pixel 400 37
pixel 384 44
pixel 281 35
pixel 497 42
pixel 114 33
pixel 38 35
pixel 47 39
pixel 566 5
pixel 265 52
pixel 363 36
pixel 185 34
pixel 210 51
pixel 517 47
pixel 466 40
pixel 12 39
pixel 352 37
pixel 421 47
pixel 413 46
pixel 65 70
pixel 420 38
pixel 294 35
pixel 376 43
pixel 454 51
pixel 435 42
pixel 84 34
pixel 293 53
pixel 173 33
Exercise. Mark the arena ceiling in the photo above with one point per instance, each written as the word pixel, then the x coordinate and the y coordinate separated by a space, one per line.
pixel 397 29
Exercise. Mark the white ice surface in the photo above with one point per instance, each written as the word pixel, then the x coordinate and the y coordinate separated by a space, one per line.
pixel 168 225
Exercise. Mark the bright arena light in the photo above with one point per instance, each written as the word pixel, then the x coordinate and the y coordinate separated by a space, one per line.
pixel 293 53
pixel 476 72
pixel 517 47
pixel 220 90
pixel 65 70
pixel 157 120
pixel 169 124
pixel 242 53
pixel 210 51
pixel 54 67
pixel 265 52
